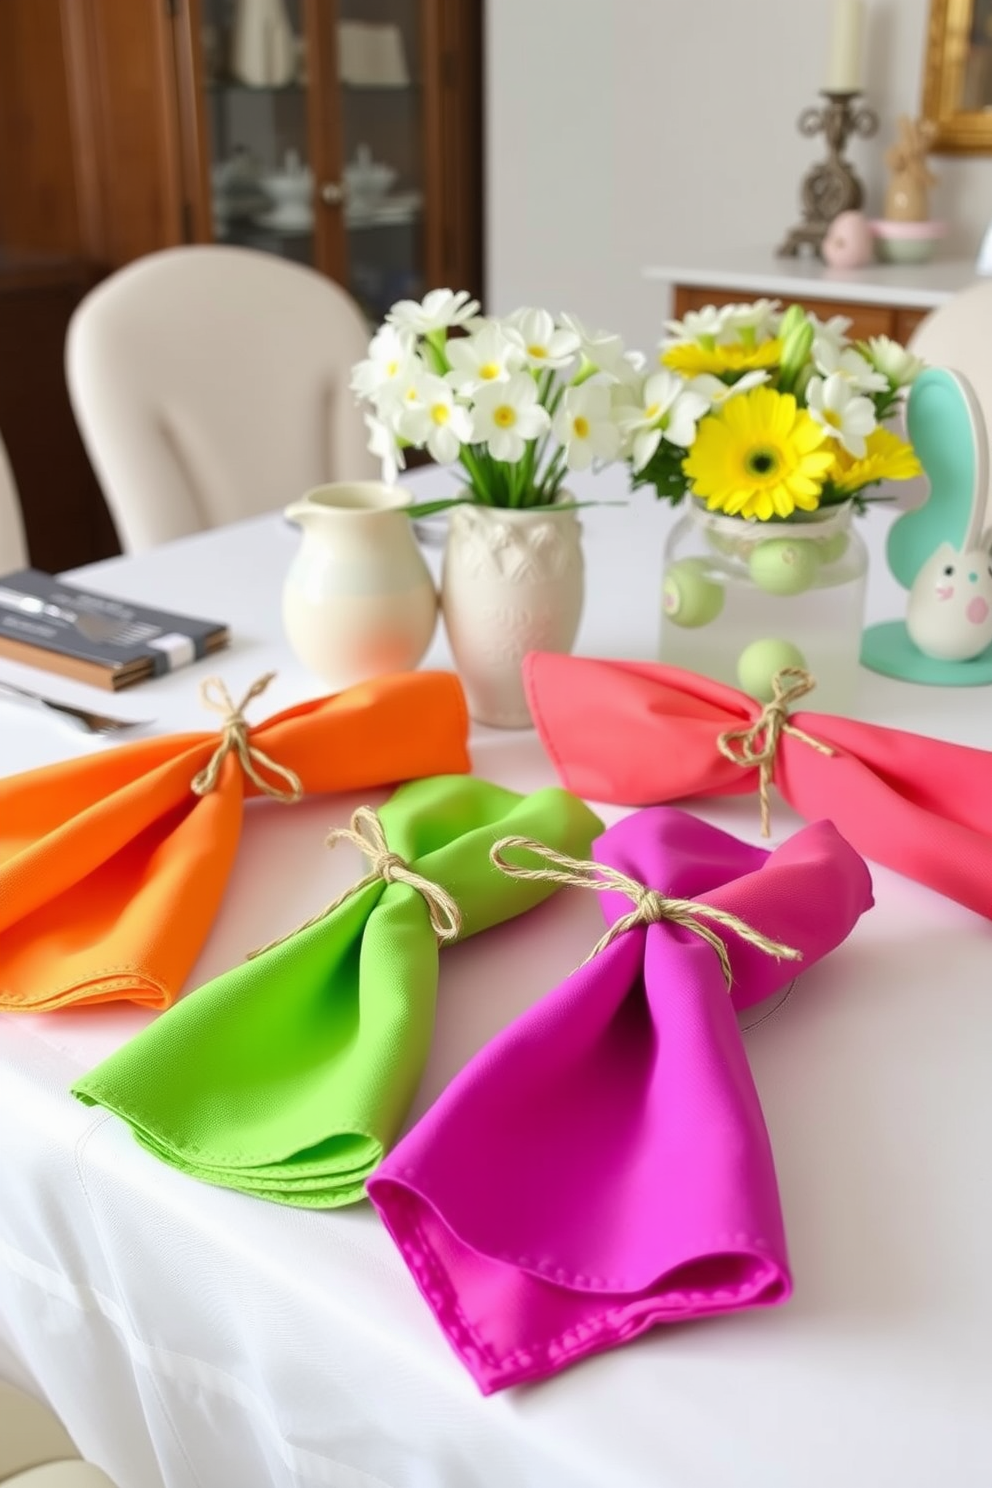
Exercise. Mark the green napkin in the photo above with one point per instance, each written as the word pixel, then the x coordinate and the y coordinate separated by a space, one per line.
pixel 290 1076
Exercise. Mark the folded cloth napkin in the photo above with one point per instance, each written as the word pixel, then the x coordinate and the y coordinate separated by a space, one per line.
pixel 290 1076
pixel 113 866
pixel 603 1166
pixel 639 733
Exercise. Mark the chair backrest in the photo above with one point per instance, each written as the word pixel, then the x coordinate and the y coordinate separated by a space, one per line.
pixel 13 544
pixel 210 384
pixel 958 335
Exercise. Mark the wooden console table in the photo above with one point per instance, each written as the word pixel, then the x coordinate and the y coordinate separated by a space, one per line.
pixel 879 300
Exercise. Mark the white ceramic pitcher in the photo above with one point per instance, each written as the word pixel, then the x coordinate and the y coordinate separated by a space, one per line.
pixel 358 600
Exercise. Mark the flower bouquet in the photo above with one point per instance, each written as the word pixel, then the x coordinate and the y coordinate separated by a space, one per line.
pixel 777 427
pixel 515 403
pixel 762 414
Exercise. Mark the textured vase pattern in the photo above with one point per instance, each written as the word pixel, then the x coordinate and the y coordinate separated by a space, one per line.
pixel 513 582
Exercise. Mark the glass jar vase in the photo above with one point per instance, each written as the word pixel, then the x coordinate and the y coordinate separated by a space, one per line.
pixel 740 599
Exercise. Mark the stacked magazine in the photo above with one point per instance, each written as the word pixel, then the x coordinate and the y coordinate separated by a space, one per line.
pixel 107 642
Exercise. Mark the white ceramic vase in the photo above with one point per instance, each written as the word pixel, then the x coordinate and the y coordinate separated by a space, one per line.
pixel 263 46
pixel 358 600
pixel 512 582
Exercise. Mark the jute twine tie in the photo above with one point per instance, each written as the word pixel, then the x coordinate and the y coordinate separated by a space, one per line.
pixel 758 742
pixel 650 906
pixel 367 835
pixel 234 739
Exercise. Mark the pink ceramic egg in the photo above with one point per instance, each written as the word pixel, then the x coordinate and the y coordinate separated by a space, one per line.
pixel 848 243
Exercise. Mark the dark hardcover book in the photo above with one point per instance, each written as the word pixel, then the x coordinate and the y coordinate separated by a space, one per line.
pixel 107 642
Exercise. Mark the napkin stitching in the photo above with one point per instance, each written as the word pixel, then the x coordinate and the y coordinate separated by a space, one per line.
pixel 438 1285
pixel 119 976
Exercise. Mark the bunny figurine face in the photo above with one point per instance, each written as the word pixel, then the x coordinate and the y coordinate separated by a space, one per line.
pixel 949 615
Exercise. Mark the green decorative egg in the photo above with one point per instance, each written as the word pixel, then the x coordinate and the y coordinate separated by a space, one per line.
pixel 784 565
pixel 758 663
pixel 688 596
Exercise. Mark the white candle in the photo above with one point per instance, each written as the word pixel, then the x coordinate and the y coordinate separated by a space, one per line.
pixel 844 69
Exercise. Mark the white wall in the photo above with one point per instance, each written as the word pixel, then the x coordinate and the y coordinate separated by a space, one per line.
pixel 628 132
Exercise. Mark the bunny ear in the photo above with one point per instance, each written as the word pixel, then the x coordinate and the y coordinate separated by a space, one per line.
pixel 947 429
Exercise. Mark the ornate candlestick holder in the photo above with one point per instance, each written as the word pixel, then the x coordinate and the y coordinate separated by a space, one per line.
pixel 832 186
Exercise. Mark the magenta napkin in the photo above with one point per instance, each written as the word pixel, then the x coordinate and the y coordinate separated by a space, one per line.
pixel 603 1165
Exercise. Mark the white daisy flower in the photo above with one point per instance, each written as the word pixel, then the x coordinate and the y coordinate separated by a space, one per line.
pixel 709 322
pixel 585 426
pixel 629 376
pixel 390 354
pixel 669 409
pixel 439 309
pixel 401 394
pixel 847 363
pixel 833 330
pixel 542 343
pixel 715 391
pixel 601 349
pixel 436 421
pixel 487 356
pixel 505 414
pixel 894 362
pixel 836 405
pixel 384 445
pixel 759 319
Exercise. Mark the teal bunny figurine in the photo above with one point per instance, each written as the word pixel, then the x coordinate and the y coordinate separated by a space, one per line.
pixel 941 552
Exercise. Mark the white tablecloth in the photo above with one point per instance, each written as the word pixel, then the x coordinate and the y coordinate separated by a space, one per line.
pixel 193 1336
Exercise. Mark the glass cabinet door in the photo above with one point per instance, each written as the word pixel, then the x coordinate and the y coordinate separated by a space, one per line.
pixel 344 134
pixel 255 77
pixel 380 122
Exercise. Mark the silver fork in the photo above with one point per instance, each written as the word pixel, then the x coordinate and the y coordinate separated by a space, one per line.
pixel 81 718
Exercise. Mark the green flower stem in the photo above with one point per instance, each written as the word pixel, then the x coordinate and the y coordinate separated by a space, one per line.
pixel 473 465
pixel 435 343
pixel 552 479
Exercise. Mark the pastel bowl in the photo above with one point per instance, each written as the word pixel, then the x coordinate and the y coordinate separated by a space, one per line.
pixel 906 242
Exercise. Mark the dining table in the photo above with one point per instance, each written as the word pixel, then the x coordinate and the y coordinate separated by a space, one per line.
pixel 191 1336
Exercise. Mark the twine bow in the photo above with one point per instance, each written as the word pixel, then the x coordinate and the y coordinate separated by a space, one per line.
pixel 650 906
pixel 234 740
pixel 367 835
pixel 758 742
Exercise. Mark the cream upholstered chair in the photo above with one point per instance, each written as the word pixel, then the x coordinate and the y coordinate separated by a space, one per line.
pixel 958 334
pixel 13 544
pixel 210 384
pixel 36 1451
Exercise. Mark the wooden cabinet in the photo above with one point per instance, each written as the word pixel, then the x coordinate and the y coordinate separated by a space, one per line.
pixel 364 160
pixel 897 321
pixel 65 518
pixel 128 126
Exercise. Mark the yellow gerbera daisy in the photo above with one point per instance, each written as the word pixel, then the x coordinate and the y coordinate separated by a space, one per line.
pixel 692 358
pixel 886 457
pixel 760 455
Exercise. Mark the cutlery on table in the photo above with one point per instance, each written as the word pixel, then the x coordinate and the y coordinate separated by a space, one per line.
pixel 101 629
pixel 85 719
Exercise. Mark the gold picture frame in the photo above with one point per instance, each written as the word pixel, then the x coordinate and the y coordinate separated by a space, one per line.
pixel 957 78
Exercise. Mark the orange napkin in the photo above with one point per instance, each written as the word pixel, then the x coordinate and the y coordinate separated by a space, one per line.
pixel 112 866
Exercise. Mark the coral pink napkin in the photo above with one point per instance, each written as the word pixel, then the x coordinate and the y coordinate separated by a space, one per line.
pixel 603 1165
pixel 639 733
